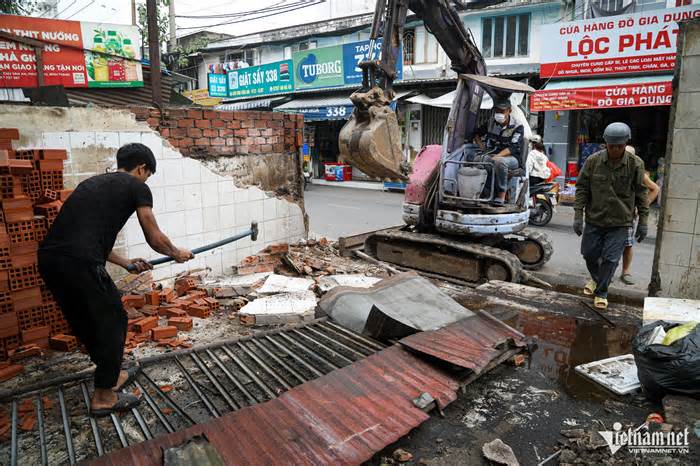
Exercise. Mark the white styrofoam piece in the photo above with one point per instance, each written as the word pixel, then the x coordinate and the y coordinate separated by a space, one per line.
pixel 244 280
pixel 672 310
pixel 356 280
pixel 618 374
pixel 281 284
pixel 281 308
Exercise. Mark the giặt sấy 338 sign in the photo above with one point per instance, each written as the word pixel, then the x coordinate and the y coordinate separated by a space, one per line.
pixel 641 42
pixel 272 78
pixel 75 53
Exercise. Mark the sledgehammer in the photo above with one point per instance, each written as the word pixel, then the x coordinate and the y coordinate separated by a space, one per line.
pixel 252 232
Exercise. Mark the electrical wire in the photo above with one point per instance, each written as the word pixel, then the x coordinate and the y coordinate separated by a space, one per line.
pixel 272 7
pixel 64 10
pixel 275 13
pixel 91 2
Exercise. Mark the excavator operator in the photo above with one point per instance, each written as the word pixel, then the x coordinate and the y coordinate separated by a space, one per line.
pixel 504 148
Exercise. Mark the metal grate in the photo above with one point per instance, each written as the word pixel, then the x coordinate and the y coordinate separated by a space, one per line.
pixel 215 379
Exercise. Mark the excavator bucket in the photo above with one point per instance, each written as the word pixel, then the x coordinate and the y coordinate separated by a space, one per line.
pixel 371 139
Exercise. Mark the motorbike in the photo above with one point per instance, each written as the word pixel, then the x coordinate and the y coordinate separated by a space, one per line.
pixel 543 198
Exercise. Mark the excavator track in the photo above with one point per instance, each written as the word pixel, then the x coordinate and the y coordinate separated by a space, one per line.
pixel 532 247
pixel 469 261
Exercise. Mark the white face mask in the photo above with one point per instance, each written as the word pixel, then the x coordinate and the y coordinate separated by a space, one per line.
pixel 499 117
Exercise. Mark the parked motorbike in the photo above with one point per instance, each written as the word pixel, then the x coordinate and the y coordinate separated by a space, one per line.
pixel 543 198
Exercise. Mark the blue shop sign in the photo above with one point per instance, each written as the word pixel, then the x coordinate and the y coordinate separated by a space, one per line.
pixel 217 85
pixel 357 52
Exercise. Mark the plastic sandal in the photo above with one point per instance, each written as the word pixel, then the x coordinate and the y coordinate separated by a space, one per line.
pixel 590 287
pixel 125 401
pixel 600 302
pixel 132 372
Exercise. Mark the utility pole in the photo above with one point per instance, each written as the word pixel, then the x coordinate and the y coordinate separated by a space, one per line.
pixel 154 51
pixel 133 12
pixel 172 43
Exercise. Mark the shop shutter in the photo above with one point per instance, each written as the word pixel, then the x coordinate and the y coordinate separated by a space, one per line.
pixel 433 124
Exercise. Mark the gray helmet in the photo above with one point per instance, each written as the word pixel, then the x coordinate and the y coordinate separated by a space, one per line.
pixel 617 133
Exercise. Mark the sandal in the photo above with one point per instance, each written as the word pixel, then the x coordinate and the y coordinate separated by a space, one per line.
pixel 132 372
pixel 125 402
pixel 626 278
pixel 590 287
pixel 600 303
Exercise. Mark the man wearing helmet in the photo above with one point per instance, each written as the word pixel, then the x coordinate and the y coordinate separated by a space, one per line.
pixel 608 190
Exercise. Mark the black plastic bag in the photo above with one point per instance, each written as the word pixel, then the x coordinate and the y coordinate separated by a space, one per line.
pixel 668 369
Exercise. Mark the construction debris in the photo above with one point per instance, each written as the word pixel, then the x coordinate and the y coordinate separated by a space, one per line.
pixel 356 280
pixel 500 453
pixel 281 284
pixel 402 456
pixel 282 308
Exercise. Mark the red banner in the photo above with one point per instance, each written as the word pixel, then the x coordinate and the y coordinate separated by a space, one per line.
pixel 628 95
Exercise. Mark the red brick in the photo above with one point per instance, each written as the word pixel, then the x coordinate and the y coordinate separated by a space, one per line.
pixel 9 325
pixel 210 133
pixel 165 132
pixel 266 148
pixel 9 133
pixel 202 123
pixel 54 154
pixel 186 123
pixel 260 124
pixel 196 310
pixel 247 123
pixel 257 268
pixel 152 297
pixel 24 352
pixel 134 300
pixel 153 122
pixel 242 133
pixel 186 142
pixel 277 248
pixel 183 323
pixel 26 299
pixel 63 343
pixel 149 310
pixel 233 124
pixel 38 336
pixel 184 284
pixel 175 312
pixel 145 324
pixel 226 114
pixel 202 142
pixel 159 333
pixel 218 141
pixel 178 132
pixel 167 295
pixel 194 114
pixel 10 371
pixel 218 124
pixel 194 132
pixel 210 114
pixel 175 113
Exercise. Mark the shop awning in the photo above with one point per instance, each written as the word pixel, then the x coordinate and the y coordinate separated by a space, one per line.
pixel 336 107
pixel 248 104
pixel 445 100
pixel 581 94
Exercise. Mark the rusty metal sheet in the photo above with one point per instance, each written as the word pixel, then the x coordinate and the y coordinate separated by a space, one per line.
pixel 470 343
pixel 343 417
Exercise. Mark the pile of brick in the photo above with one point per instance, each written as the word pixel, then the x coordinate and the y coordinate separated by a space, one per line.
pixel 310 257
pixel 159 315
pixel 31 195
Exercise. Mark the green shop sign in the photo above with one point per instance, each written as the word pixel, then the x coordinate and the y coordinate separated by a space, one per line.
pixel 318 68
pixel 273 78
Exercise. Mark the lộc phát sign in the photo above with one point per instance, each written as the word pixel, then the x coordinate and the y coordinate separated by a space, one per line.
pixel 637 43
pixel 75 53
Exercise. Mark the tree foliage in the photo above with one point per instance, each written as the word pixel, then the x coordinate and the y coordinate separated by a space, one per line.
pixel 162 21
pixel 17 7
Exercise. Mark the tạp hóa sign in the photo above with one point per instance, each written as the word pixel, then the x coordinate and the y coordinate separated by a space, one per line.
pixel 273 78
pixel 637 43
pixel 75 53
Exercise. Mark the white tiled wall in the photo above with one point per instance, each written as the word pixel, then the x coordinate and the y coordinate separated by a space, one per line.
pixel 193 205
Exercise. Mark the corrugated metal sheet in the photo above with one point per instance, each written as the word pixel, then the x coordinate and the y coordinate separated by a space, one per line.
pixel 343 417
pixel 470 343
pixel 121 96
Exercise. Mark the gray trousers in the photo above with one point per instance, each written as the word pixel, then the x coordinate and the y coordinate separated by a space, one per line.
pixel 501 167
pixel 602 249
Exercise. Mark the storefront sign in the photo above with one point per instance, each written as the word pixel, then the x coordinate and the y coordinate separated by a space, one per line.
pixel 75 54
pixel 629 95
pixel 217 85
pixel 201 97
pixel 358 52
pixel 272 78
pixel 642 42
pixel 317 68
pixel 332 112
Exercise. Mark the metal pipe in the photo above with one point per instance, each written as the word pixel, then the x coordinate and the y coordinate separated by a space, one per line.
pixel 13 448
pixel 263 386
pixel 154 407
pixel 265 367
pixel 139 419
pixel 251 398
pixel 93 423
pixel 353 335
pixel 202 367
pixel 66 426
pixel 42 431
pixel 167 399
pixel 308 351
pixel 325 347
pixel 210 406
pixel 120 430
pixel 337 335
pixel 295 357
pixel 279 361
pixel 335 342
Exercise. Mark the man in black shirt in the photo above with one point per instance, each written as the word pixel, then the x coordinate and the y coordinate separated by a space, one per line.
pixel 72 263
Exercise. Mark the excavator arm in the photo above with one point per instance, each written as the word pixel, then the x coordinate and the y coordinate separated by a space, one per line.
pixel 371 139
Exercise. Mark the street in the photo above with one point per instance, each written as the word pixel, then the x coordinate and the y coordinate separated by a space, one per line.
pixel 335 212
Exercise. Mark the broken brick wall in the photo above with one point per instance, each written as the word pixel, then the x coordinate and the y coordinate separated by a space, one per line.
pixel 194 204
pixel 255 148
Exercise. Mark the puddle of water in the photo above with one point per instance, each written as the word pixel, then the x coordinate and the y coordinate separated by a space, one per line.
pixel 564 342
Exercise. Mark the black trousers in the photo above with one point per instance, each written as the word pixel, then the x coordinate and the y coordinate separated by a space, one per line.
pixel 602 249
pixel 92 306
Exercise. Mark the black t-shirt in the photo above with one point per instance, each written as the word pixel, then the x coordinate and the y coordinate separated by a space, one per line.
pixel 88 223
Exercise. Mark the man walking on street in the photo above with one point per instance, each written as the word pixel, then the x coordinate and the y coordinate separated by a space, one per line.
pixel 608 189
pixel 72 263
